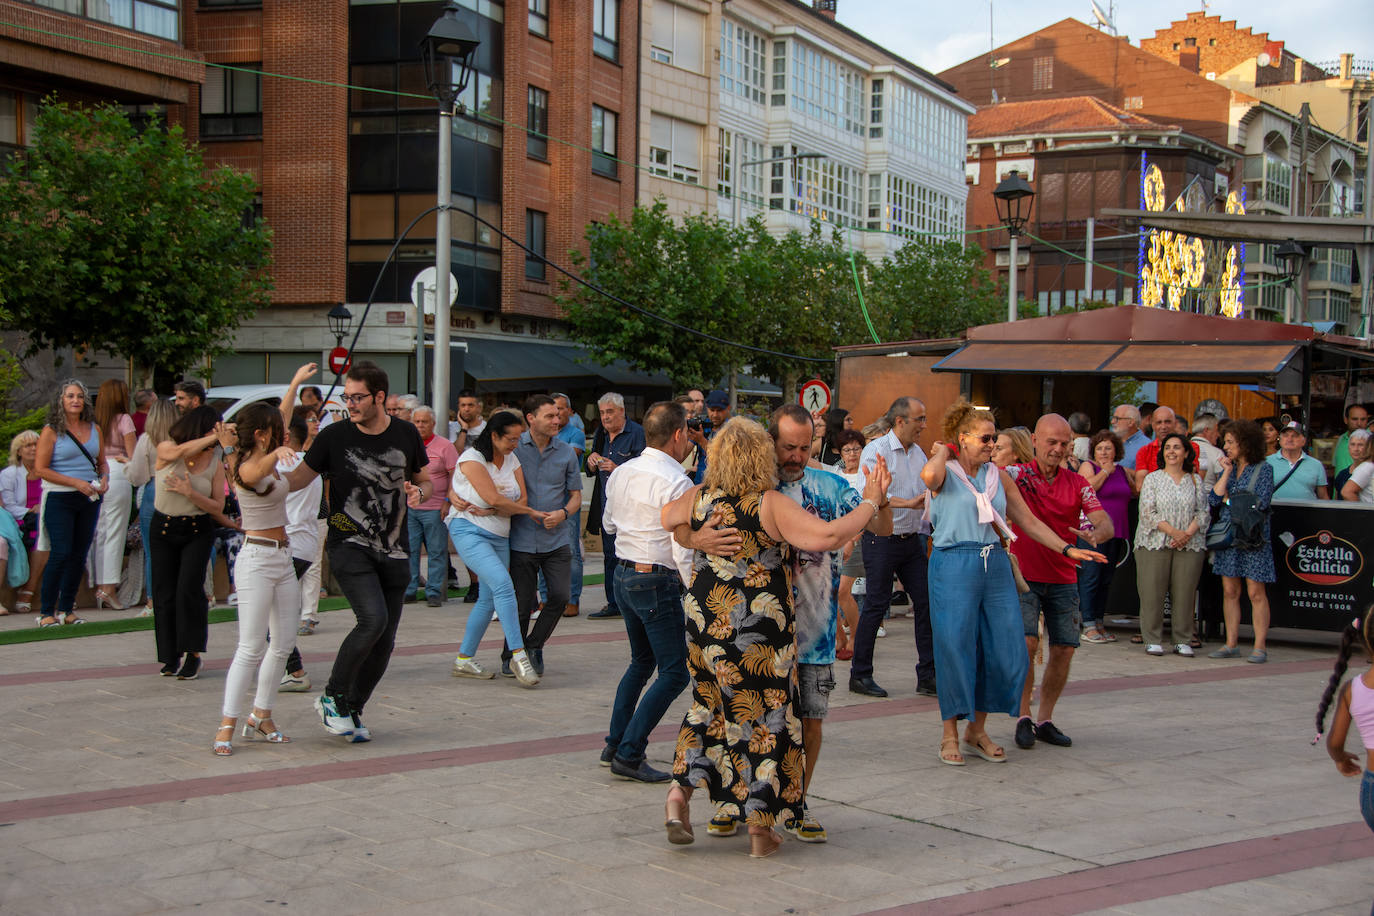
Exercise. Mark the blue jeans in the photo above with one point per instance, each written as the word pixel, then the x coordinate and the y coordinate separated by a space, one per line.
pixel 427 528
pixel 575 535
pixel 70 518
pixel 488 555
pixel 906 557
pixel 1095 581
pixel 651 604
pixel 145 527
pixel 374 584
pixel 976 618
pixel 1367 798
pixel 609 565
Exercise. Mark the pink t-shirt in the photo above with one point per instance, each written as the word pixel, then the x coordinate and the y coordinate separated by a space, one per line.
pixel 443 458
pixel 1057 503
pixel 123 425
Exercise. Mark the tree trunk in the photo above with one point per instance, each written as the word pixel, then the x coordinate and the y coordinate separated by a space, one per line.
pixel 789 386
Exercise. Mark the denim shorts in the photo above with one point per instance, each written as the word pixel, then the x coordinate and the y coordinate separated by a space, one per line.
pixel 814 683
pixel 1059 603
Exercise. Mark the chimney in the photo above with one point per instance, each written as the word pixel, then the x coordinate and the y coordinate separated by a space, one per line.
pixel 825 7
pixel 1297 69
pixel 1347 64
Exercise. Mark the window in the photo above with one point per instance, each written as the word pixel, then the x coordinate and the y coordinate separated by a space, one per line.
pixel 18 110
pixel 539 17
pixel 222 3
pixel 922 124
pixel 537 124
pixel 827 190
pixel 678 36
pixel 603 141
pixel 674 149
pixel 152 17
pixel 535 223
pixel 825 89
pixel 742 62
pixel 779 74
pixel 605 28
pixel 1042 74
pixel 875 110
pixel 230 103
pixel 912 209
pixel 749 180
pixel 1278 181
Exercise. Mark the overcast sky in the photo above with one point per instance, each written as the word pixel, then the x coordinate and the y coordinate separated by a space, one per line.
pixel 937 34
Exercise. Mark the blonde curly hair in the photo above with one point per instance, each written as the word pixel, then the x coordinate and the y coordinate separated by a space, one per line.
pixel 741 459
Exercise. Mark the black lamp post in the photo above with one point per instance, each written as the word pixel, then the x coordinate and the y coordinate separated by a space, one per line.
pixel 1013 196
pixel 1292 256
pixel 340 321
pixel 446 52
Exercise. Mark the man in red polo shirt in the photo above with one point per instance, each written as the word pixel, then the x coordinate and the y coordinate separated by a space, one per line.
pixel 1056 496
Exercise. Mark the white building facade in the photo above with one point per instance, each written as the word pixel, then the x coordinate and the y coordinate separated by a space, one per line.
pixel 731 94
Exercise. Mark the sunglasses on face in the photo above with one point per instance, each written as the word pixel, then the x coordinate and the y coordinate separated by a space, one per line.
pixel 986 440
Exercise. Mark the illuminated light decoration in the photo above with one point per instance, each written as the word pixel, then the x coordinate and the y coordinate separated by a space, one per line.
pixel 1172 264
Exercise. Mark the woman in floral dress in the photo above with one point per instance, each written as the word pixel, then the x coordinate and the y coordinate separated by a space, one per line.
pixel 740 739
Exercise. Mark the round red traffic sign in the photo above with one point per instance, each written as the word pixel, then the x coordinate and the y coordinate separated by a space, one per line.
pixel 339 361
pixel 814 395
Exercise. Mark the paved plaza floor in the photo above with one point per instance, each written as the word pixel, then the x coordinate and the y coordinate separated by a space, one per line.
pixel 1190 788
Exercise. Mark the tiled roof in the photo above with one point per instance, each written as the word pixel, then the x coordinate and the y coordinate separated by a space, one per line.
pixel 1055 116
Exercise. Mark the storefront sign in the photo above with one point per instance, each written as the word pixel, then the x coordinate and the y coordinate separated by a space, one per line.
pixel 1322 556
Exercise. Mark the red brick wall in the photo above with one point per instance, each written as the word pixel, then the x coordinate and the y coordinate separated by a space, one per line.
pixel 305 147
pixel 564 187
pixel 1089 62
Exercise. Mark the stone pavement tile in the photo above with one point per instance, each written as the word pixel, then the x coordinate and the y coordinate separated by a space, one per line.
pixel 1342 889
pixel 831 882
pixel 87 902
pixel 336 899
pixel 86 846
pixel 244 882
pixel 579 894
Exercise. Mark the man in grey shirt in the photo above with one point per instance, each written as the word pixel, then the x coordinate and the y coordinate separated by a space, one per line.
pixel 553 482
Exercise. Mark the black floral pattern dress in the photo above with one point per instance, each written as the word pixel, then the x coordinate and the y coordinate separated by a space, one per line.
pixel 741 740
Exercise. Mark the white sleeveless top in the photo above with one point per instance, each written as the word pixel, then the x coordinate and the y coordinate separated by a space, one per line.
pixel 261 511
pixel 506 484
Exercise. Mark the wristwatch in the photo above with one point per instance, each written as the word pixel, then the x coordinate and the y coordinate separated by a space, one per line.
pixel 1067 548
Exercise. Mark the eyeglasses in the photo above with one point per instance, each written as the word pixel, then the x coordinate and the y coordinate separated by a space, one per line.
pixel 357 399
pixel 986 440
pixel 851 449
pixel 1116 419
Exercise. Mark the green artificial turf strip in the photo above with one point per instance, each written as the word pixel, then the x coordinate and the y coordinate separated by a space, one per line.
pixel 134 624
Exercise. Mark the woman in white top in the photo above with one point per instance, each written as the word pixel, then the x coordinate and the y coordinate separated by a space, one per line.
pixel 1359 485
pixel 490 488
pixel 112 527
pixel 269 594
pixel 1170 544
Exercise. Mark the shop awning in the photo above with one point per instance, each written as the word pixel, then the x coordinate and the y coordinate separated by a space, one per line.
pixel 516 365
pixel 1044 357
pixel 1202 359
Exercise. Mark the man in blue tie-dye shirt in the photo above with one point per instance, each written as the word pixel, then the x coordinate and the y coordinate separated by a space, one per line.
pixel 815 585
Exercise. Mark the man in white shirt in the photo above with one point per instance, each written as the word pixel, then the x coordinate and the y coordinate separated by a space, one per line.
pixel 648 586
pixel 902 552
pixel 1209 456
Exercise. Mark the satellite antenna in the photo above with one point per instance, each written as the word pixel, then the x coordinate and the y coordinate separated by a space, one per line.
pixel 1263 59
pixel 1105 20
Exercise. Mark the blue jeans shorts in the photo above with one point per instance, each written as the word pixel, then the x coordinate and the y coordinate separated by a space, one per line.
pixel 1059 603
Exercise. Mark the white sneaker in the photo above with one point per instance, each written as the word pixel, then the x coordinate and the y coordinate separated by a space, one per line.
pixel 292 684
pixel 882 631
pixel 1154 649
pixel 524 670
pixel 466 667
pixel 330 715
pixel 1184 649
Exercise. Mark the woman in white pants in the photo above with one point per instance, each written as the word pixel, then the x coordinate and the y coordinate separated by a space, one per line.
pixel 112 527
pixel 269 592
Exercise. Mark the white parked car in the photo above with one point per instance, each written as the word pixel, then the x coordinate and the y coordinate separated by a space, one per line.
pixel 230 399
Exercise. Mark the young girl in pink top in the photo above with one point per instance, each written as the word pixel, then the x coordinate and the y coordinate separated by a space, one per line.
pixel 1354 700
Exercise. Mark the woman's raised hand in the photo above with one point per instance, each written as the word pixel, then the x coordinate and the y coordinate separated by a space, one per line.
pixel 304 372
pixel 226 433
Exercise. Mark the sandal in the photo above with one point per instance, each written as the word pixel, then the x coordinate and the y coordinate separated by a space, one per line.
pixel 72 620
pixel 986 748
pixel 252 728
pixel 23 600
pixel 1137 639
pixel 52 622
pixel 224 748
pixel 680 827
pixel 1195 643
pixel 773 845
pixel 953 758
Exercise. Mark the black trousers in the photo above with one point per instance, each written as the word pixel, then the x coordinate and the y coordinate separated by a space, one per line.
pixel 179 546
pixel 375 586
pixel 556 565
pixel 883 556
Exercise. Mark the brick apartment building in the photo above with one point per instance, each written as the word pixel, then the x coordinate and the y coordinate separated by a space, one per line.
pixel 1279 163
pixel 342 171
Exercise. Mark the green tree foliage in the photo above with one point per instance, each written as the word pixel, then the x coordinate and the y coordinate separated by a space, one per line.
pixel 120 239
pixel 794 295
pixel 932 289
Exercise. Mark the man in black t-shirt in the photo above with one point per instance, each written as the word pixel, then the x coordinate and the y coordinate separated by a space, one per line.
pixel 376 468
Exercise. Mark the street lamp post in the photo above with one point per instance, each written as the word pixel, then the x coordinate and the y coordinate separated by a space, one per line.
pixel 1291 256
pixel 1013 197
pixel 447 48
pixel 340 321
pixel 734 221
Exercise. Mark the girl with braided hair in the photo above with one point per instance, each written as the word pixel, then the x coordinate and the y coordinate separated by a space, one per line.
pixel 1354 700
pixel 269 592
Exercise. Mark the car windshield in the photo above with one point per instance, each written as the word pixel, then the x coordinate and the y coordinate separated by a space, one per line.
pixel 222 404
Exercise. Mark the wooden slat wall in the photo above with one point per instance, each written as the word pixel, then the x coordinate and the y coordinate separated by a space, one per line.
pixel 1183 397
pixel 867 385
